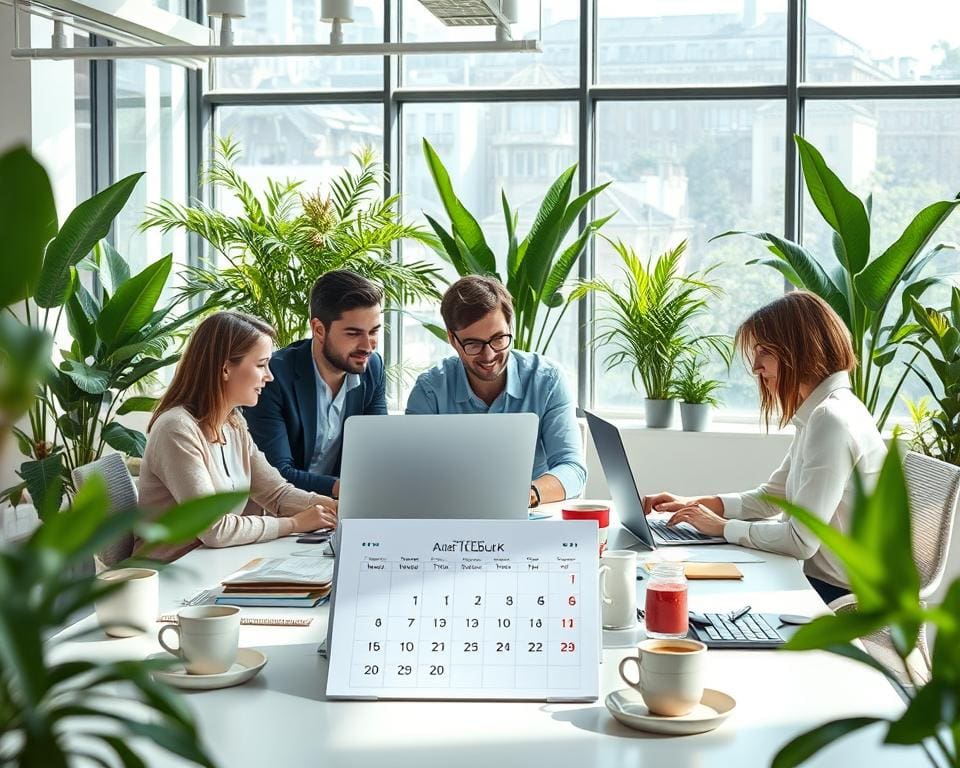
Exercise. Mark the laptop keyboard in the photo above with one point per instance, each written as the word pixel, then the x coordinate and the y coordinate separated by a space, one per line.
pixel 675 533
pixel 751 630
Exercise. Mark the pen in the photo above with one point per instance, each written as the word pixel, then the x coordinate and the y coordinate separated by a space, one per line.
pixel 738 614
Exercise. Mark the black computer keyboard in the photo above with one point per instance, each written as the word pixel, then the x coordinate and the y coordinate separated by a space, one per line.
pixel 752 630
pixel 675 533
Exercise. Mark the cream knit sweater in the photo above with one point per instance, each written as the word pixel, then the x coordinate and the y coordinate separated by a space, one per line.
pixel 180 463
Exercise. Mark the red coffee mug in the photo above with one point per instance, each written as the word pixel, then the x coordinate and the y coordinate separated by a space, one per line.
pixel 598 512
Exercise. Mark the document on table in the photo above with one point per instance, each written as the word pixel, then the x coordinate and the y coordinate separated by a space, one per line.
pixel 287 570
pixel 701 554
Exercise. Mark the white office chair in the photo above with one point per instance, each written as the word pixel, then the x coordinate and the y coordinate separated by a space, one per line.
pixel 122 496
pixel 933 487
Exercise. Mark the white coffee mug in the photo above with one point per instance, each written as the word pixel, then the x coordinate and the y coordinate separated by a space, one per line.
pixel 670 675
pixel 131 608
pixel 618 588
pixel 208 637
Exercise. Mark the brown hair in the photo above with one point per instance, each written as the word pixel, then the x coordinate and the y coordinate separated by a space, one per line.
pixel 198 382
pixel 809 340
pixel 473 297
pixel 339 291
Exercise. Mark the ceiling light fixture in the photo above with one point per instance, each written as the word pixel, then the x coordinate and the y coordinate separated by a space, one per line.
pixel 137 41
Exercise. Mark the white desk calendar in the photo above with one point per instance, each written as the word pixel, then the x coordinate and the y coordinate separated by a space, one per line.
pixel 465 609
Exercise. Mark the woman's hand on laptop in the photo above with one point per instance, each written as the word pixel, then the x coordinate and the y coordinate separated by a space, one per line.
pixel 700 517
pixel 669 502
pixel 322 515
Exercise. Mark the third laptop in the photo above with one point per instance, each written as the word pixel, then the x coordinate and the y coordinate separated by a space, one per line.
pixel 627 499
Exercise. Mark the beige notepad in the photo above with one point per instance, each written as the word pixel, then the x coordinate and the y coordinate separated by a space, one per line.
pixel 706 570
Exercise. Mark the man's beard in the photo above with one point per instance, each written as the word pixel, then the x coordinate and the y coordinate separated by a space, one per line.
pixel 344 362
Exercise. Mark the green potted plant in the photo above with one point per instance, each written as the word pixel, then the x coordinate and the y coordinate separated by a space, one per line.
pixel 864 291
pixel 646 322
pixel 537 267
pixel 936 335
pixel 877 556
pixel 119 337
pixel 281 242
pixel 696 393
pixel 52 713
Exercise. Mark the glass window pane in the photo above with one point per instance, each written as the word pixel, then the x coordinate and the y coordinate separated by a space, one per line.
pixel 151 136
pixel 690 172
pixel 271 22
pixel 894 46
pixel 557 65
pixel 483 155
pixel 903 153
pixel 691 41
pixel 310 143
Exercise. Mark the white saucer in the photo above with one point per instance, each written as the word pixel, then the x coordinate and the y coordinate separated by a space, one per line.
pixel 627 707
pixel 249 662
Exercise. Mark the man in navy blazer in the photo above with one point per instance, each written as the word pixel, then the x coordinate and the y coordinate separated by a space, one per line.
pixel 320 382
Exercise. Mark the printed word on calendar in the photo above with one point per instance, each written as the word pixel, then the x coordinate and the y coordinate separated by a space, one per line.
pixel 465 609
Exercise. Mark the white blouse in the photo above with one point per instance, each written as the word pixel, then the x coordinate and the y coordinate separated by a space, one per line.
pixel 835 436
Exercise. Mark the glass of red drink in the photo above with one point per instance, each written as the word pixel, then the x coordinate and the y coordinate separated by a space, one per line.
pixel 666 605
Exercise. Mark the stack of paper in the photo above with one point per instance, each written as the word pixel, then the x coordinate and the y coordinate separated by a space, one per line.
pixel 292 582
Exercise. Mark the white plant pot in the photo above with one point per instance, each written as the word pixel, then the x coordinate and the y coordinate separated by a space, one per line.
pixel 695 417
pixel 659 413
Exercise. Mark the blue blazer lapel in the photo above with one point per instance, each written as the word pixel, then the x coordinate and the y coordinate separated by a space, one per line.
pixel 305 387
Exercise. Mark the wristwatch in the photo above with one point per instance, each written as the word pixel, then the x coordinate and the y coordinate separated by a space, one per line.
pixel 536 495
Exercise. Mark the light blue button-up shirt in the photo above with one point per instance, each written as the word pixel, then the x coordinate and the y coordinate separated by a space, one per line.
pixel 534 385
pixel 329 422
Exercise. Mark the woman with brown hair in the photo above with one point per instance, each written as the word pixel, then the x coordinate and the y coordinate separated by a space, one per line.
pixel 198 443
pixel 800 351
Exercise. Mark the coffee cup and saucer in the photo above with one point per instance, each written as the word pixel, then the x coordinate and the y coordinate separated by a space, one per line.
pixel 668 695
pixel 208 650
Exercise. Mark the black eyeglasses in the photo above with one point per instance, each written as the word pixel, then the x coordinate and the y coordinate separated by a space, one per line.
pixel 475 346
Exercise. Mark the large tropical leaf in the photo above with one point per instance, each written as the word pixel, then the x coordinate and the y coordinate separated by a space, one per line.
pixel 28 220
pixel 42 478
pixel 93 381
pixel 566 260
pixel 804 265
pixel 133 303
pixel 24 361
pixel 842 210
pixel 805 746
pixel 877 282
pixel 88 223
pixel 544 236
pixel 129 441
pixel 464 224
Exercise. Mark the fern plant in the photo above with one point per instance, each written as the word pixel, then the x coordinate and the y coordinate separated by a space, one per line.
pixel 692 386
pixel 270 254
pixel 647 316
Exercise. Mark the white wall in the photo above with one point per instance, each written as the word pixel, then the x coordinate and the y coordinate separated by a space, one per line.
pixel 691 463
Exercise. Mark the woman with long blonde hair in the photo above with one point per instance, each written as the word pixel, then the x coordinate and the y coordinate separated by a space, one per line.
pixel 800 351
pixel 198 443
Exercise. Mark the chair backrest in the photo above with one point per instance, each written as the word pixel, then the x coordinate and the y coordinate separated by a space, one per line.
pixel 122 496
pixel 933 487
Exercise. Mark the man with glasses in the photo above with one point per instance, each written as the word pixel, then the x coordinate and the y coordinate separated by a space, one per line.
pixel 487 376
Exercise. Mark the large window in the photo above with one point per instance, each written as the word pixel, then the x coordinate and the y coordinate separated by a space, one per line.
pixel 687 107
pixel 150 136
pixel 308 143
pixel 688 172
pixel 517 147
pixel 669 42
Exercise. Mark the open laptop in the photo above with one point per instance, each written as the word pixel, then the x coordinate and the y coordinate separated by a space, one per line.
pixel 475 466
pixel 627 499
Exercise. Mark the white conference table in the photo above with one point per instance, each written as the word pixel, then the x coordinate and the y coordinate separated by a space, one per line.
pixel 281 718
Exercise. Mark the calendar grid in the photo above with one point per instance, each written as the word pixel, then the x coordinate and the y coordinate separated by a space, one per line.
pixel 511 622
